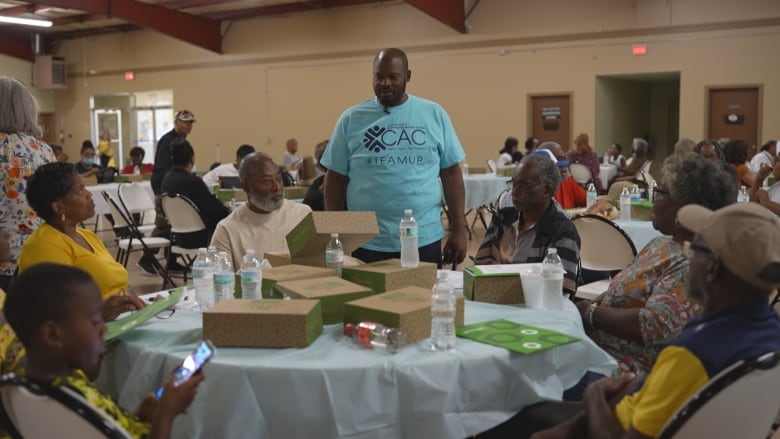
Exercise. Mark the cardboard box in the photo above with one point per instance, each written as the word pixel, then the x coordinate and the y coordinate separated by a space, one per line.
pixel 295 192
pixel 478 170
pixel 125 178
pixel 263 323
pixel 389 275
pixel 287 273
pixel 332 292
pixel 494 283
pixel 505 171
pixel 308 239
pixel 408 309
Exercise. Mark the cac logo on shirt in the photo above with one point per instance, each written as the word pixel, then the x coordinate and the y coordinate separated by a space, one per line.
pixel 377 139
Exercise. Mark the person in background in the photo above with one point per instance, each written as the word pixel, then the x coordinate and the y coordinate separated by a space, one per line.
pixel 182 127
pixel 645 307
pixel 732 284
pixel 736 153
pixel 569 194
pixel 137 165
pixel 291 159
pixel 264 221
pixel 531 144
pixel 88 165
pixel 228 169
pixel 769 198
pixel 56 311
pixel 105 152
pixel 21 153
pixel 765 157
pixel 59 154
pixel 528 222
pixel 314 195
pixel 635 163
pixel 583 154
pixel 506 154
pixel 391 173
pixel 615 155
pixel 684 146
pixel 711 150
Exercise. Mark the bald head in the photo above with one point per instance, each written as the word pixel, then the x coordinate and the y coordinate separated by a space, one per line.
pixel 555 148
pixel 391 73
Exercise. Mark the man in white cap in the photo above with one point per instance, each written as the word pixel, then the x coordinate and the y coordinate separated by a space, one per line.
pixel 734 268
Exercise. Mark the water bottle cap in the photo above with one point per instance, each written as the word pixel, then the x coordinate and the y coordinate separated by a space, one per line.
pixel 203 250
pixel 408 212
pixel 334 235
pixel 349 328
pixel 222 254
pixel 250 251
pixel 552 250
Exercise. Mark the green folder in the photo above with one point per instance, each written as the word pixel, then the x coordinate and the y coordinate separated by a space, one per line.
pixel 118 327
pixel 514 336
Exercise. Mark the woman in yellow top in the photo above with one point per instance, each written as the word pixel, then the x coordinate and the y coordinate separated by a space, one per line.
pixel 57 193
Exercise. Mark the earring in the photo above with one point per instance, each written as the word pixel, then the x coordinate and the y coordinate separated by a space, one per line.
pixel 63 217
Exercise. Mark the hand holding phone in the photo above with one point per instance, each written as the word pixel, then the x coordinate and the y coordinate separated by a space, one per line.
pixel 192 364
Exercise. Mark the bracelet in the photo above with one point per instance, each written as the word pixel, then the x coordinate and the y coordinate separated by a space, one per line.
pixel 591 309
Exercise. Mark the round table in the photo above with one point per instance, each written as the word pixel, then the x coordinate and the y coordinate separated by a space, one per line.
pixel 606 173
pixel 483 189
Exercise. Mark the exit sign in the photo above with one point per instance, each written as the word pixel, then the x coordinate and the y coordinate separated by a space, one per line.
pixel 639 49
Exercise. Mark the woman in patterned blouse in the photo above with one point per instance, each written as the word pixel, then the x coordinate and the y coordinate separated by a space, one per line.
pixel 645 305
pixel 21 153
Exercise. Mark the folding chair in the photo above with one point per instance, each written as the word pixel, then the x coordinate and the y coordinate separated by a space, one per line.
pixel 128 234
pixel 137 201
pixel 741 401
pixel 597 234
pixel 189 233
pixel 580 173
pixel 36 410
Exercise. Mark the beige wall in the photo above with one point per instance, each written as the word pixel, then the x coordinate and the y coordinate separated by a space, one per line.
pixel 293 76
pixel 22 71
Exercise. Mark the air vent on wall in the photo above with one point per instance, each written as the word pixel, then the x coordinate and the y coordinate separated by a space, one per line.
pixel 49 72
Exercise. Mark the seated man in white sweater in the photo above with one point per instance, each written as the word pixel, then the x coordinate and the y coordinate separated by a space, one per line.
pixel 228 169
pixel 263 222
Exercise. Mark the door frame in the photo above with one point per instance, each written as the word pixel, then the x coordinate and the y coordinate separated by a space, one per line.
pixel 759 116
pixel 530 110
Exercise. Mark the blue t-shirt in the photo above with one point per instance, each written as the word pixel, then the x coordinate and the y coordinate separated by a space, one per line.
pixel 393 158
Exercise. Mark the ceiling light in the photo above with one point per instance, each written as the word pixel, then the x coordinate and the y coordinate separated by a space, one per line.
pixel 25 21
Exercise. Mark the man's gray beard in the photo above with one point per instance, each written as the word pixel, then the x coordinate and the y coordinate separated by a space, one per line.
pixel 266 204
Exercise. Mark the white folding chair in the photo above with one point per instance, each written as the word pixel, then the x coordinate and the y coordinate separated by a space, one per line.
pixel 36 410
pixel 137 201
pixel 491 164
pixel 741 401
pixel 185 219
pixel 580 173
pixel 597 234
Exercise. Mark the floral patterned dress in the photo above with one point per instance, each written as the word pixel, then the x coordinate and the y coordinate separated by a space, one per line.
pixel 654 282
pixel 20 155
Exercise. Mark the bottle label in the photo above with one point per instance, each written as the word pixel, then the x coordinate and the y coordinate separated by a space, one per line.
pixel 223 279
pixel 409 232
pixel 334 256
pixel 248 276
pixel 198 272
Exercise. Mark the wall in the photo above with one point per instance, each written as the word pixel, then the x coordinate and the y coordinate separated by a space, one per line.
pixel 292 76
pixel 22 71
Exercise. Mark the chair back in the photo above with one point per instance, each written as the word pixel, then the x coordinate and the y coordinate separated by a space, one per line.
pixel 35 410
pixel 119 214
pixel 580 173
pixel 742 401
pixel 182 213
pixel 135 198
pixel 617 188
pixel 598 234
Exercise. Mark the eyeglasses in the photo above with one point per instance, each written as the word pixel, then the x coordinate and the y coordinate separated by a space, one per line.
pixel 660 193
pixel 522 187
pixel 690 248
pixel 165 314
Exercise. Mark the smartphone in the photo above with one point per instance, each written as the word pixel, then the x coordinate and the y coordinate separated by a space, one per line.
pixel 192 364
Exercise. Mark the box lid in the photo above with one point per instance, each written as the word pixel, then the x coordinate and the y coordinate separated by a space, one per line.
pixel 311 235
pixel 386 266
pixel 294 272
pixel 399 301
pixel 321 287
pixel 498 270
pixel 263 306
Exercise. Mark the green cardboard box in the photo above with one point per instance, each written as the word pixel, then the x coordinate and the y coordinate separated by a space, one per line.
pixel 289 272
pixel 408 309
pixel 493 283
pixel 295 192
pixel 263 323
pixel 389 275
pixel 332 292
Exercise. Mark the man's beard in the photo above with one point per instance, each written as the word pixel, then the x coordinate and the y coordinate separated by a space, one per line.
pixel 266 204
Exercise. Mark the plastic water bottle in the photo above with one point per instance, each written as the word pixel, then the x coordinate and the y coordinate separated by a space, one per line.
pixel 334 254
pixel 375 335
pixel 202 278
pixel 636 195
pixel 224 278
pixel 442 314
pixel 625 205
pixel 742 196
pixel 552 281
pixel 651 190
pixel 410 256
pixel 251 276
pixel 592 195
pixel 213 257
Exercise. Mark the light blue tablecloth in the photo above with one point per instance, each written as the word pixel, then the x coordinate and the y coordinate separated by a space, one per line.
pixel 482 189
pixel 334 388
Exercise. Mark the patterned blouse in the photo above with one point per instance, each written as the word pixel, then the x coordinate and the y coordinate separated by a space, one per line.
pixel 79 382
pixel 20 156
pixel 655 283
pixel 11 349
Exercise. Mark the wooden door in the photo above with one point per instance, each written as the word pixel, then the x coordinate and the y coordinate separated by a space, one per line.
pixel 733 113
pixel 551 118
pixel 46 121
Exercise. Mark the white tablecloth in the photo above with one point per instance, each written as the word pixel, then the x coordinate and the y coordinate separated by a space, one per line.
pixel 641 232
pixel 101 208
pixel 483 189
pixel 334 388
pixel 606 173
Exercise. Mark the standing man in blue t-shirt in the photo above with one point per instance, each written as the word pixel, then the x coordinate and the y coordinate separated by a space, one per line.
pixel 387 154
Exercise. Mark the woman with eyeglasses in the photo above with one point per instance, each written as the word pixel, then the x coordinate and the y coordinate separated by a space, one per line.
pixel 645 305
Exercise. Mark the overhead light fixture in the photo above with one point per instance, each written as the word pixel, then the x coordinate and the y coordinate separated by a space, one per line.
pixel 25 21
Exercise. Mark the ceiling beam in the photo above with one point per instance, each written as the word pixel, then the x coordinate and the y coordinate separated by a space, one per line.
pixel 18 10
pixel 199 31
pixel 450 12
pixel 16 45
pixel 285 8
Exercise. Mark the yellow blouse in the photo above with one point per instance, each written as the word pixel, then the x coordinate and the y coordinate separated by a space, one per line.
pixel 48 244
